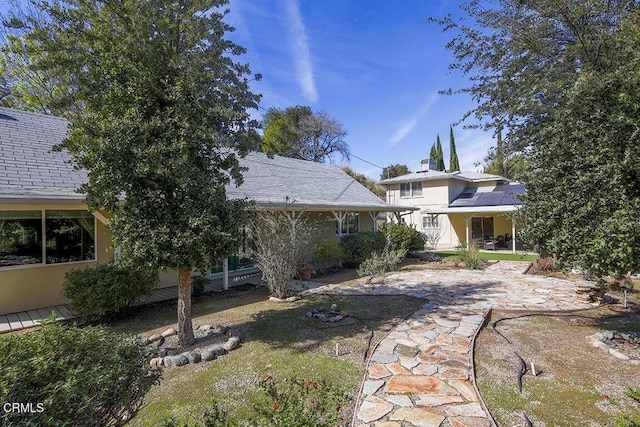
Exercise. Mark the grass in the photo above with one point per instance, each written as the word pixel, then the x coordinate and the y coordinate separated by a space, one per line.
pixel 577 384
pixel 493 256
pixel 279 341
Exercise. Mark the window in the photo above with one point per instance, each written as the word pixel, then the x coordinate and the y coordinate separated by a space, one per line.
pixel 481 228
pixel 429 221
pixel 411 189
pixel 70 236
pixel 405 190
pixel 416 189
pixel 349 223
pixel 20 238
pixel 63 236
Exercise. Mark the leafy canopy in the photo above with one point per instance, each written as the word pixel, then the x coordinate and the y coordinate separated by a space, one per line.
pixel 562 77
pixel 300 133
pixel 162 114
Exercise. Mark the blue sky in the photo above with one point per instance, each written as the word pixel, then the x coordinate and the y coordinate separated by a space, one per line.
pixel 376 66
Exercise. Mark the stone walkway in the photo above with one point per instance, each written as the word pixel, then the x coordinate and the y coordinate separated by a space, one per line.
pixel 421 374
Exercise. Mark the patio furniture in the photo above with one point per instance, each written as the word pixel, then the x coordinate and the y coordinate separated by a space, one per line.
pixel 490 245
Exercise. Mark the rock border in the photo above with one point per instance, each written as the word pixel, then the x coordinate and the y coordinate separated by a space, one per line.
pixel 604 341
pixel 164 357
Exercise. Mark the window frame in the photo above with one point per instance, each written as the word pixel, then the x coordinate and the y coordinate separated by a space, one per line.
pixel 411 189
pixel 43 230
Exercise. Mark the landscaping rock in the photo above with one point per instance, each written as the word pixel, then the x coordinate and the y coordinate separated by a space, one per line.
pixel 335 308
pixel 292 299
pixel 231 344
pixel 167 361
pixel 208 355
pixel 308 314
pixel 220 329
pixel 155 337
pixel 144 341
pixel 321 317
pixel 205 327
pixel 235 333
pixel 156 362
pixel 217 349
pixel 169 332
pixel 193 357
pixel 180 360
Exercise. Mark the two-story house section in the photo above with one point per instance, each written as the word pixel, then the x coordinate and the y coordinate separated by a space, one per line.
pixel 465 206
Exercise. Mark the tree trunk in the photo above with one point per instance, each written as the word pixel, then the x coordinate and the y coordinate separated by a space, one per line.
pixel 185 327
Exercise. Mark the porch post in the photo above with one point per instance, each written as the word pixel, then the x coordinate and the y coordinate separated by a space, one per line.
pixel 467 229
pixel 225 274
pixel 513 234
pixel 339 216
pixel 373 216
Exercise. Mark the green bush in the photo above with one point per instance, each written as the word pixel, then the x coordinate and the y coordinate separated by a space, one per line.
pixel 404 237
pixel 299 404
pixel 470 257
pixel 379 263
pixel 358 247
pixel 73 376
pixel 105 290
pixel 328 253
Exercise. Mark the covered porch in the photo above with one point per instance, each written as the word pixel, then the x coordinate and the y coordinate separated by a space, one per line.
pixel 491 228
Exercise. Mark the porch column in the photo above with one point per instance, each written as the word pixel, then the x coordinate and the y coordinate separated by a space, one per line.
pixel 513 235
pixel 467 230
pixel 339 216
pixel 225 274
pixel 373 216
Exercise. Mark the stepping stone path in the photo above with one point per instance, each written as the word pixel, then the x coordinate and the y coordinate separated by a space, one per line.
pixel 421 373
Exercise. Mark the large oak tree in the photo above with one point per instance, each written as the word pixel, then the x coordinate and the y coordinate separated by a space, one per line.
pixel 162 117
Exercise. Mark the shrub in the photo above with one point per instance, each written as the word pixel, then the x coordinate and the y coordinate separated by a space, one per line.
pixel 106 289
pixel 379 263
pixel 299 404
pixel 328 253
pixel 281 245
pixel 358 247
pixel 80 376
pixel 544 265
pixel 404 237
pixel 469 257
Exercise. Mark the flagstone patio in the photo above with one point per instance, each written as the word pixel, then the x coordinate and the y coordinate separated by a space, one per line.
pixel 421 374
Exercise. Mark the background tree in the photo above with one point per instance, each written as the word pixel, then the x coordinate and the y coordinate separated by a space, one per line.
pixel 512 166
pixel 393 171
pixel 23 84
pixel 164 114
pixel 454 164
pixel 563 78
pixel 439 155
pixel 300 133
pixel 433 154
pixel 371 185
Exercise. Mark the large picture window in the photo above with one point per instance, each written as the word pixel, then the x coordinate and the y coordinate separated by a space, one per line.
pixel 63 236
pixel 70 236
pixel 20 238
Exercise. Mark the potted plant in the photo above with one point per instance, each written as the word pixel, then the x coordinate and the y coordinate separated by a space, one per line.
pixel 305 272
pixel 197 285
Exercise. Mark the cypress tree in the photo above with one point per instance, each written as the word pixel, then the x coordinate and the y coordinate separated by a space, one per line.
pixel 454 164
pixel 440 156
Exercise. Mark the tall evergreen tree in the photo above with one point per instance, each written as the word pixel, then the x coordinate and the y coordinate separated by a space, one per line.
pixel 439 155
pixel 433 154
pixel 454 164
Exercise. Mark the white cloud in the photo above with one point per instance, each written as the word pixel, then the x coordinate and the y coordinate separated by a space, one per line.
pixel 409 123
pixel 301 54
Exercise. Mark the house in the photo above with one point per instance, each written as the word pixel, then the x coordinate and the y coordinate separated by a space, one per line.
pixel 46 229
pixel 464 206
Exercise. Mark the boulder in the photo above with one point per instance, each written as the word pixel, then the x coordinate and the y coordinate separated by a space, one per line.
pixel 231 344
pixel 169 332
pixel 208 355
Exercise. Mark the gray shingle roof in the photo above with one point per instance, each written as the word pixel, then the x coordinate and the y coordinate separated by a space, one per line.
pixel 433 175
pixel 273 181
pixel 30 170
pixel 28 167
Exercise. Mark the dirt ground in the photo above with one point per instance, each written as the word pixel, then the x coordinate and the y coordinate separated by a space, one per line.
pixel 576 384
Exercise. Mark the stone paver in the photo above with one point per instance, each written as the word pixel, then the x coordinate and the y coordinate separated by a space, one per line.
pixel 421 373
